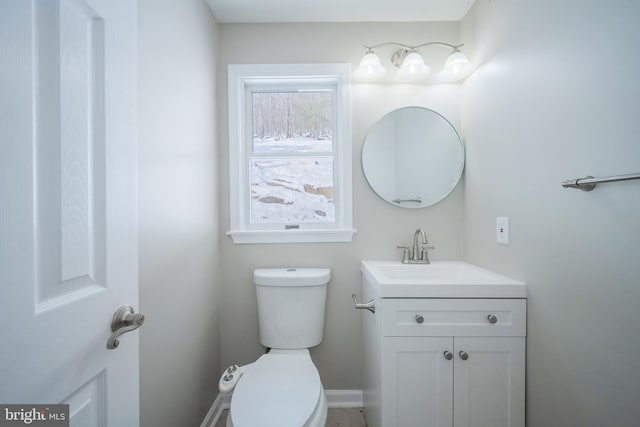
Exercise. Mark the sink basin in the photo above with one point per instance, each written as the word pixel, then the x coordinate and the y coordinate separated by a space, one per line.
pixel 440 279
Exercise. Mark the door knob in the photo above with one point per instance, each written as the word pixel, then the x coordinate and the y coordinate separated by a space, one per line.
pixel 124 320
pixel 492 319
pixel 463 355
pixel 448 355
pixel 419 319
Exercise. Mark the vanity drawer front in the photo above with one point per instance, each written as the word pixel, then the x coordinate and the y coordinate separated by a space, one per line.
pixel 451 317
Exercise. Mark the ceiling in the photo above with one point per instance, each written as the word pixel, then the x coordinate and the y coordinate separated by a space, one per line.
pixel 254 11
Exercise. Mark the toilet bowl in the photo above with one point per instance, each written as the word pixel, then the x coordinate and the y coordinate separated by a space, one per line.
pixel 281 389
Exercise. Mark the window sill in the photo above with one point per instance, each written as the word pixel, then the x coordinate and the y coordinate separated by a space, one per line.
pixel 292 236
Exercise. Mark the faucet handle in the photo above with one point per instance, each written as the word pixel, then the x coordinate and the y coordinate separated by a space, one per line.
pixel 405 254
pixel 423 253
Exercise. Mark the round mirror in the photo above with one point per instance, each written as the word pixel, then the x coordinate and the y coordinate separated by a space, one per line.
pixel 412 157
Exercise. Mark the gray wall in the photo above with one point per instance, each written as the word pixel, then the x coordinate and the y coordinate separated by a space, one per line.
pixel 380 226
pixel 556 97
pixel 178 212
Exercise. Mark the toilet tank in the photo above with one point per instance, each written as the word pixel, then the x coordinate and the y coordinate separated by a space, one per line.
pixel 291 305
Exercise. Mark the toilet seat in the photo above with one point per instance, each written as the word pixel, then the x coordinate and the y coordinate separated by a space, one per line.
pixel 281 389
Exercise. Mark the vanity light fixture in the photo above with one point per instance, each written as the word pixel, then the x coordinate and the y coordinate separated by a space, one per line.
pixel 410 64
pixel 456 67
pixel 370 69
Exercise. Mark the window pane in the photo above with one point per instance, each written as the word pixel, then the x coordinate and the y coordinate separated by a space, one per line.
pixel 292 191
pixel 292 121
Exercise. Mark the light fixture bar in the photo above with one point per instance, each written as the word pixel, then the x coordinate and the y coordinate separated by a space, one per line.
pixel 410 64
pixel 409 47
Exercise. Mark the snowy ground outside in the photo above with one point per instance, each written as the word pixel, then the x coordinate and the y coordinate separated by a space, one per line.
pixel 294 190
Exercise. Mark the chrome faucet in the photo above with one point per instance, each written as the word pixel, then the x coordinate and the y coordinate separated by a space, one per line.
pixel 420 255
pixel 418 232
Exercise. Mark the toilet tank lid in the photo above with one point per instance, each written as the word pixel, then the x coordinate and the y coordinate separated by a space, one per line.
pixel 291 276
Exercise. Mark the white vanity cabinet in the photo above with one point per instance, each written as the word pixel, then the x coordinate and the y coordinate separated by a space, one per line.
pixel 443 362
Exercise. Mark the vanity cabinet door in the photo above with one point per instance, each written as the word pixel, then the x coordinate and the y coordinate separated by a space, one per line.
pixel 489 382
pixel 417 382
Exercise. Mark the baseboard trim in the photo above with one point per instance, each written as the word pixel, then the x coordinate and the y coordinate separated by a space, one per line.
pixel 335 399
pixel 344 398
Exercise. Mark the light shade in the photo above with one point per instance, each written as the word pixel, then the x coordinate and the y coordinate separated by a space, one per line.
pixel 457 67
pixel 413 68
pixel 370 69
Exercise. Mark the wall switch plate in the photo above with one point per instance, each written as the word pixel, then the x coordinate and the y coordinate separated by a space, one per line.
pixel 502 230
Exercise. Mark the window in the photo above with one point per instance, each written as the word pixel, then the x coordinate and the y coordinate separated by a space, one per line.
pixel 290 153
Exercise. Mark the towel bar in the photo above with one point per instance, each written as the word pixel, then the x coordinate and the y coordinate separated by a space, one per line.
pixel 588 183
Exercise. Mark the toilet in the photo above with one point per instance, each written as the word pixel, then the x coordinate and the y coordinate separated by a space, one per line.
pixel 282 388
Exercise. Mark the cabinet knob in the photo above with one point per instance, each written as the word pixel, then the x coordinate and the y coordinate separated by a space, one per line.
pixel 448 355
pixel 419 319
pixel 463 355
pixel 492 319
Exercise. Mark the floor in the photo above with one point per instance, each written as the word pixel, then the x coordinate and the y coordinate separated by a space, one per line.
pixel 337 417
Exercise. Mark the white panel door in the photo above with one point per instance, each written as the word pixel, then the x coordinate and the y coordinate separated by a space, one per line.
pixel 417 381
pixel 68 239
pixel 489 383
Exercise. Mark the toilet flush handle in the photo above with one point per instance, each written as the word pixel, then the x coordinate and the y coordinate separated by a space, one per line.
pixel 371 305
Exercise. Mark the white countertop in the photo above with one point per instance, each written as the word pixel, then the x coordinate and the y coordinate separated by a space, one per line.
pixel 440 279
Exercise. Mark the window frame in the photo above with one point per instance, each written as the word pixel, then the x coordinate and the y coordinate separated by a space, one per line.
pixel 242 77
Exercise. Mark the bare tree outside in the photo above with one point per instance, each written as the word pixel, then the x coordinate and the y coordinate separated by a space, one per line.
pixel 299 116
pixel 286 187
